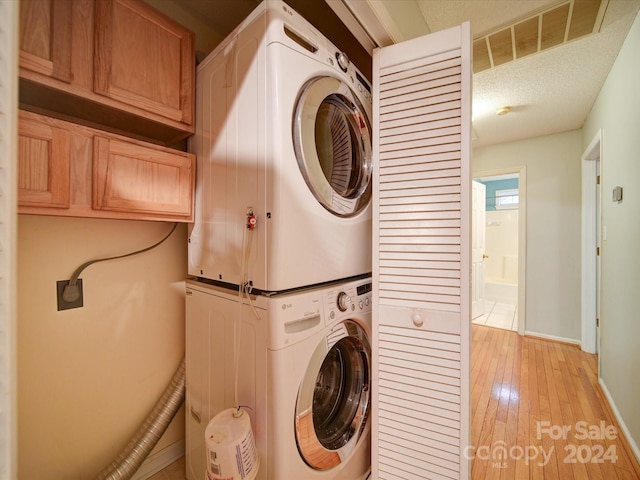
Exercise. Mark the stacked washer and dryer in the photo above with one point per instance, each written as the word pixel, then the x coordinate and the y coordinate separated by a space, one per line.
pixel 281 244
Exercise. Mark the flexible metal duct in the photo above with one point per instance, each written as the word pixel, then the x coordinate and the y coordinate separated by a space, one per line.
pixel 130 459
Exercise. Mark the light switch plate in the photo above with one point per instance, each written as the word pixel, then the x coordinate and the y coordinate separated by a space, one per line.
pixel 617 194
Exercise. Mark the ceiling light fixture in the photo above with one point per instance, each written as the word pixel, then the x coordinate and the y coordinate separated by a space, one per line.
pixel 503 110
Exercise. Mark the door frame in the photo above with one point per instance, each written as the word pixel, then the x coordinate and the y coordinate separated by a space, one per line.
pixel 522 234
pixel 474 273
pixel 9 22
pixel 590 209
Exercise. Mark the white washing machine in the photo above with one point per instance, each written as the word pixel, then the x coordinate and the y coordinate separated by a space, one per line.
pixel 283 132
pixel 304 377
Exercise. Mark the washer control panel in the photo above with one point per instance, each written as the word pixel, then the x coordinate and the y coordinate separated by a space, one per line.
pixel 348 298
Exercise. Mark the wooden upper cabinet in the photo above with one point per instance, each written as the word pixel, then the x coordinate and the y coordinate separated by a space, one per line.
pixel 45 38
pixel 43 165
pixel 119 64
pixel 136 178
pixel 143 59
pixel 67 169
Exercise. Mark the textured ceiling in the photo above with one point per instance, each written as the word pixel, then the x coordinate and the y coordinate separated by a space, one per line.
pixel 549 92
pixel 552 91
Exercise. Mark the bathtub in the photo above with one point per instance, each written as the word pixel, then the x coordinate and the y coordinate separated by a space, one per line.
pixel 497 290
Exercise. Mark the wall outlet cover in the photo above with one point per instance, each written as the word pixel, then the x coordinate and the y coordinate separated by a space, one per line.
pixel 62 303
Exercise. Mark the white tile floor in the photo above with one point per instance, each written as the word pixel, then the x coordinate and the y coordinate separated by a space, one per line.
pixel 499 315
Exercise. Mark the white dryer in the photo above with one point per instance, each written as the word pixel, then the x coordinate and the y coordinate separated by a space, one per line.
pixel 304 377
pixel 283 132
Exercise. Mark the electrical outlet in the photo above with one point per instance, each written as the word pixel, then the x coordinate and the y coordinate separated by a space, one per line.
pixel 64 304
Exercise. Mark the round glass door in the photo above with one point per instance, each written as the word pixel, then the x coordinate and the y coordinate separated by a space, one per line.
pixel 333 400
pixel 332 143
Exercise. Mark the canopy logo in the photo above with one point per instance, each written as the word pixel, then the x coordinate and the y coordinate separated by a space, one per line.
pixel 499 453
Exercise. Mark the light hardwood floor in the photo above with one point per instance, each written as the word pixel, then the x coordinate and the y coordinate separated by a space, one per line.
pixel 525 394
pixel 533 397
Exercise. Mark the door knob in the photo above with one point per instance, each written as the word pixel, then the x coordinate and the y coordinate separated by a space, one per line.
pixel 485 256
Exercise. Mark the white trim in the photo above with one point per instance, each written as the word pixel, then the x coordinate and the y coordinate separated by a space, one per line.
pixel 623 426
pixel 375 265
pixel 367 16
pixel 555 338
pixel 589 243
pixel 466 177
pixel 506 176
pixel 8 236
pixel 156 462
pixel 522 236
pixel 353 24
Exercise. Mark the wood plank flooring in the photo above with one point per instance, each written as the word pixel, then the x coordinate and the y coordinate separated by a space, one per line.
pixel 538 413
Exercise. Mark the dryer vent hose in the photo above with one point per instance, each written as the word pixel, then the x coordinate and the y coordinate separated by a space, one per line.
pixel 130 459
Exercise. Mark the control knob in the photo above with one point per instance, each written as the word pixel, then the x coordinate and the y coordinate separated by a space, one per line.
pixel 344 301
pixel 343 60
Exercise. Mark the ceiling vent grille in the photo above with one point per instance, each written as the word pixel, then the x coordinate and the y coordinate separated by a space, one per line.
pixel 552 27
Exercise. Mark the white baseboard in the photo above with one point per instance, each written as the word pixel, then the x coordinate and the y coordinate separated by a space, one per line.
pixel 630 440
pixel 553 337
pixel 156 462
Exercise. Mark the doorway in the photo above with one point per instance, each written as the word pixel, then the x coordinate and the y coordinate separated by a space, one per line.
pixel 591 243
pixel 503 259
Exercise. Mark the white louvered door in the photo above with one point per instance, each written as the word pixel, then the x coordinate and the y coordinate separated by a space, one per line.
pixel 421 262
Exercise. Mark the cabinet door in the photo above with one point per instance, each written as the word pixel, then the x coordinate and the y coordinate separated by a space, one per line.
pixel 43 165
pixel 45 37
pixel 139 179
pixel 144 59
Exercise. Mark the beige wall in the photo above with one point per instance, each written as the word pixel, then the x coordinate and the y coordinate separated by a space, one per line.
pixel 88 377
pixel 617 112
pixel 553 193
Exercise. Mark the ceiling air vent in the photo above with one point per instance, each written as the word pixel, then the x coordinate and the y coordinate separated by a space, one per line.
pixel 560 24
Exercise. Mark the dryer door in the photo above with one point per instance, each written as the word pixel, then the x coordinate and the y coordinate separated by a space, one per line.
pixel 332 408
pixel 332 140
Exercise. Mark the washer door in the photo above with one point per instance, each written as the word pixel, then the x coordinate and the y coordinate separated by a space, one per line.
pixel 332 142
pixel 333 400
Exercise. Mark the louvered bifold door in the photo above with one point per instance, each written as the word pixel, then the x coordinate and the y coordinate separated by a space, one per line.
pixel 421 263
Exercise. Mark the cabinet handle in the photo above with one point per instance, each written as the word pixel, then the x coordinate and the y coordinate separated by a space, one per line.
pixel 418 321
